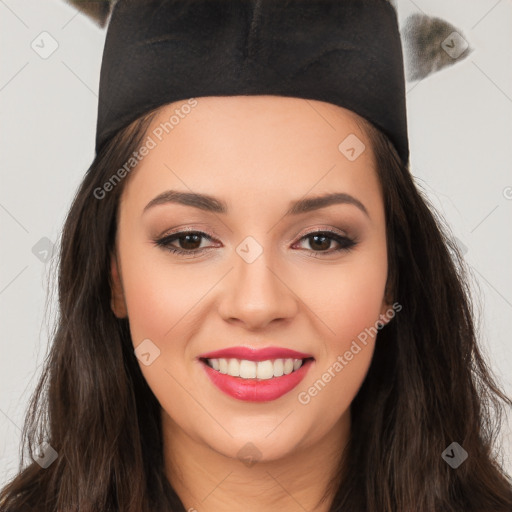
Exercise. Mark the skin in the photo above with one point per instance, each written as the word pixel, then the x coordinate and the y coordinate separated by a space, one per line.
pixel 258 154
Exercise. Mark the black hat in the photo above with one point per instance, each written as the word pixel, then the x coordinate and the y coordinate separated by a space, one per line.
pixel 345 52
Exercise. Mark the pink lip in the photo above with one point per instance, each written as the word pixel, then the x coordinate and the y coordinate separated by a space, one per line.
pixel 257 390
pixel 251 354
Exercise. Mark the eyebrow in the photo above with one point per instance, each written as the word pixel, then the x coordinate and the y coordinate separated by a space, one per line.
pixel 211 204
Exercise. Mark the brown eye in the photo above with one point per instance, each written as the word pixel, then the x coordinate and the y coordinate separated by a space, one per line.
pixel 184 243
pixel 189 242
pixel 321 241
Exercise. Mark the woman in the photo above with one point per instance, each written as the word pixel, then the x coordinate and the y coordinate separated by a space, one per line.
pixel 259 311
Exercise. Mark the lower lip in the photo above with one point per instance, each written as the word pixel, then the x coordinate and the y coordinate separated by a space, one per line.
pixel 257 390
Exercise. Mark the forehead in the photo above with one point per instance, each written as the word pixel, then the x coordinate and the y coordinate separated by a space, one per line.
pixel 249 146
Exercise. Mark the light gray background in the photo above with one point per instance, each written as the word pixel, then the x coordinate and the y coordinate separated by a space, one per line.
pixel 460 129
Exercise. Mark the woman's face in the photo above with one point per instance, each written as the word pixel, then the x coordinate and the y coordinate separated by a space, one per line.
pixel 259 277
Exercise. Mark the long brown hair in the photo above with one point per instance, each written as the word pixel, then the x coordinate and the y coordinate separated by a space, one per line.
pixel 428 384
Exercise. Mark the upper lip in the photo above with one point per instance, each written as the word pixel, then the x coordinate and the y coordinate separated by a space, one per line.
pixel 255 354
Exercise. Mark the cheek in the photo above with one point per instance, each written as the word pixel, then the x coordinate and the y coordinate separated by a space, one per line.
pixel 160 297
pixel 161 302
pixel 348 297
pixel 348 310
pixel 165 304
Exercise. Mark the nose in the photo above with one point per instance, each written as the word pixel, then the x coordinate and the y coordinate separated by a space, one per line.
pixel 257 294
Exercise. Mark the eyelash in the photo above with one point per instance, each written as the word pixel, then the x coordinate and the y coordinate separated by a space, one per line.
pixel 346 244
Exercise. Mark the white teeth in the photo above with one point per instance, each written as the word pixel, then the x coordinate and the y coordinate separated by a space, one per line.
pixel 288 366
pixel 247 369
pixel 233 367
pixel 278 367
pixel 223 365
pixel 252 369
pixel 265 370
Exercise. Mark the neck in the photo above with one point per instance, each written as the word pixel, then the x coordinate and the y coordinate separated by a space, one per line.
pixel 208 481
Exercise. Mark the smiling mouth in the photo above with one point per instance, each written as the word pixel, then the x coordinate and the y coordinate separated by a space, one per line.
pixel 255 370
